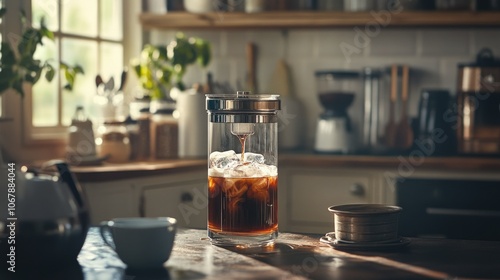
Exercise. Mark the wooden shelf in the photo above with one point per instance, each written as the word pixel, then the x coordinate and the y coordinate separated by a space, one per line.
pixel 225 20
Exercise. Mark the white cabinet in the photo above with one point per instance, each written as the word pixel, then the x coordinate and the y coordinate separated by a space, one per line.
pixel 179 195
pixel 307 193
pixel 110 200
pixel 186 200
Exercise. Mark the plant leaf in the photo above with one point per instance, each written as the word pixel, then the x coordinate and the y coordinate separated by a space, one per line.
pixel 3 87
pixel 18 86
pixel 204 52
pixel 29 41
pixel 3 11
pixel 63 66
pixel 47 33
pixel 23 17
pixel 70 77
pixel 8 57
pixel 78 69
pixel 50 73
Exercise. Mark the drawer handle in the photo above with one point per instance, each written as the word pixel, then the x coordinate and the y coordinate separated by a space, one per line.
pixel 357 190
pixel 186 197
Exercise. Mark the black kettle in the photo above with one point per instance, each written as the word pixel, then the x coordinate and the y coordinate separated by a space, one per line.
pixel 44 218
pixel 434 132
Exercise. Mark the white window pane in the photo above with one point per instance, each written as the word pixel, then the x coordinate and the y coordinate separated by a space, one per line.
pixel 111 19
pixel 79 17
pixel 111 64
pixel 84 53
pixel 48 9
pixel 45 101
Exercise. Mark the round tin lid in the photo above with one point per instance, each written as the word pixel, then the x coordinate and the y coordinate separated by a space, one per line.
pixel 364 209
pixel 243 102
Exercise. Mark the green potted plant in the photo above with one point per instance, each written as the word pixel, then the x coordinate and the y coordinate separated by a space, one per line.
pixel 18 65
pixel 159 68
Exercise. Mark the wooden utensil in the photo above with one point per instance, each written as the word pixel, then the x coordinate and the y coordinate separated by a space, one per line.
pixel 251 82
pixel 404 138
pixel 390 129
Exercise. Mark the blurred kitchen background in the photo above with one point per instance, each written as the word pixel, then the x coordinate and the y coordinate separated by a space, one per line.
pixel 377 40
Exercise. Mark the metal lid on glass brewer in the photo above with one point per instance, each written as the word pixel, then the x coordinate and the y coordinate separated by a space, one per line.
pixel 243 107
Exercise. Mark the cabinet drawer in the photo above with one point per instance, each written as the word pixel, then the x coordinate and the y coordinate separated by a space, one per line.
pixel 311 194
pixel 186 201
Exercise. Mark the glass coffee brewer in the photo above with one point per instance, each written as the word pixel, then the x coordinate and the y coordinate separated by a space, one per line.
pixel 242 169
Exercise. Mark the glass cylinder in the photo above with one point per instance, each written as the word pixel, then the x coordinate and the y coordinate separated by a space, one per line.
pixel 242 169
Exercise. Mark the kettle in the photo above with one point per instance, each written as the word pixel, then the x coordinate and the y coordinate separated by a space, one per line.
pixel 43 217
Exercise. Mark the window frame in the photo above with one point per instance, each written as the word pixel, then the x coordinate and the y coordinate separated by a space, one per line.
pixel 26 147
pixel 57 133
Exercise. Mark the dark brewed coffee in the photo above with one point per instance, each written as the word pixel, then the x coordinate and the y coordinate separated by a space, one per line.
pixel 243 205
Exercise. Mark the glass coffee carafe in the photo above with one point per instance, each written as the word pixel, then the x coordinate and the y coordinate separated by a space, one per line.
pixel 242 169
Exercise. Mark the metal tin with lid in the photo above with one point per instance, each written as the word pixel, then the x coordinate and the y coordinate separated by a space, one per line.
pixel 243 107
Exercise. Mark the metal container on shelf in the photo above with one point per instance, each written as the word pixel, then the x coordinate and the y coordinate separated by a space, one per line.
pixel 373 109
pixel 164 134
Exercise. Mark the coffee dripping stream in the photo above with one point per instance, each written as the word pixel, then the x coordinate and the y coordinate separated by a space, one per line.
pixel 242 131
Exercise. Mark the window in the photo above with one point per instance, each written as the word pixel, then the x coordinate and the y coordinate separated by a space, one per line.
pixel 88 33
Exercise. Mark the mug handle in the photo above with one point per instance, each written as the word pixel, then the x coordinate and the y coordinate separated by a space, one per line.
pixel 104 227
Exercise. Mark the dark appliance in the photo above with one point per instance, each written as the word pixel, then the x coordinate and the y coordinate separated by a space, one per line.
pixel 457 209
pixel 479 105
pixel 433 120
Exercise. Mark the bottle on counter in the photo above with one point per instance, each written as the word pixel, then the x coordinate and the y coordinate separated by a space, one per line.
pixel 133 135
pixel 81 145
pixel 113 141
pixel 144 134
pixel 164 134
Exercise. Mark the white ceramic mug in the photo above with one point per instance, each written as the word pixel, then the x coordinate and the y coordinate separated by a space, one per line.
pixel 141 243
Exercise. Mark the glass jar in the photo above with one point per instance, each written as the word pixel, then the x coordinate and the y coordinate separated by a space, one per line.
pixel 242 169
pixel 113 142
pixel 164 134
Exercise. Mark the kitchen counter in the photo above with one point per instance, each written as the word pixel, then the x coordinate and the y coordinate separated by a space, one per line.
pixel 294 256
pixel 108 171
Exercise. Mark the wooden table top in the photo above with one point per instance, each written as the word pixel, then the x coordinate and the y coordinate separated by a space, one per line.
pixel 294 256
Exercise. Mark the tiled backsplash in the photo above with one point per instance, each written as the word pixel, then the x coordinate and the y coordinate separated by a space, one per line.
pixel 433 55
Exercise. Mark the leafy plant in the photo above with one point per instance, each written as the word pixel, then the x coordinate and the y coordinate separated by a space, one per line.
pixel 161 67
pixel 18 65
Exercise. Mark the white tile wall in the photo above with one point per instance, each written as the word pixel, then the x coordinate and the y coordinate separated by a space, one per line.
pixel 433 55
pixel 445 42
